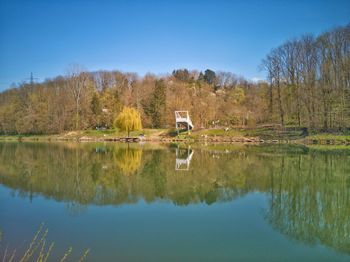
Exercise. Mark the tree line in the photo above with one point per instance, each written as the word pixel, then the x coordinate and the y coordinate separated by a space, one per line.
pixel 308 85
pixel 309 80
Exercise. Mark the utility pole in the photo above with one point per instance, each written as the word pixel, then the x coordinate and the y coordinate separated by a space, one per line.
pixel 31 80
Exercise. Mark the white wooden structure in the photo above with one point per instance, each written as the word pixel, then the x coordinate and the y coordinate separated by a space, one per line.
pixel 183 118
pixel 183 159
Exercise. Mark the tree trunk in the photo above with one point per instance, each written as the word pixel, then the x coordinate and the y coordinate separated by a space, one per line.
pixel 77 115
pixel 280 104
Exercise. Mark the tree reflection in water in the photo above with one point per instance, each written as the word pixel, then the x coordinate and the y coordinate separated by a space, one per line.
pixel 310 200
pixel 128 159
pixel 308 189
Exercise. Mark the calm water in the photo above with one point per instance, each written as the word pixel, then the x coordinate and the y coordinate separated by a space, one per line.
pixel 170 203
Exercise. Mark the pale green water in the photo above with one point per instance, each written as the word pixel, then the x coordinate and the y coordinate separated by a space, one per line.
pixel 132 203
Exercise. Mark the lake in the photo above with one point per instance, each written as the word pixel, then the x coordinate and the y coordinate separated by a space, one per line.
pixel 154 202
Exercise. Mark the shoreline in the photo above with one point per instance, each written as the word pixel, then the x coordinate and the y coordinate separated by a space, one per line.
pixel 249 136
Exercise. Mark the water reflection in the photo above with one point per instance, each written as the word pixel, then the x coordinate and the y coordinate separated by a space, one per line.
pixel 183 158
pixel 310 200
pixel 128 159
pixel 308 190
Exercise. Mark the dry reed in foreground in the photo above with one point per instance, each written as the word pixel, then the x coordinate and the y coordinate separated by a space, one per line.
pixel 38 250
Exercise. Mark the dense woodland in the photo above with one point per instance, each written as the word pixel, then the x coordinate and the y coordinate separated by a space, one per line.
pixel 308 85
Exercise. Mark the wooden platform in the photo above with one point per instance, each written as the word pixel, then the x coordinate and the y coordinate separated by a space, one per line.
pixel 182 118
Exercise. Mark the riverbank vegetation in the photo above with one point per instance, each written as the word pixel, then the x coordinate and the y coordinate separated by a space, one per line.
pixel 249 135
pixel 308 87
pixel 38 250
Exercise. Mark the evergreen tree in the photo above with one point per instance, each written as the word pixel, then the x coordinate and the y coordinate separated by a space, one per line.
pixel 157 107
pixel 201 77
pixel 182 75
pixel 210 77
pixel 96 109
pixel 96 105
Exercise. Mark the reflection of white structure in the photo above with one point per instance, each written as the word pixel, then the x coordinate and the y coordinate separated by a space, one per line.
pixel 183 158
pixel 183 118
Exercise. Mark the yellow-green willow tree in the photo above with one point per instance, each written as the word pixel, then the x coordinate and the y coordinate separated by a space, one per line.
pixel 128 120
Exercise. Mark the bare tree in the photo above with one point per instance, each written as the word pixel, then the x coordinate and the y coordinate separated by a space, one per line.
pixel 77 84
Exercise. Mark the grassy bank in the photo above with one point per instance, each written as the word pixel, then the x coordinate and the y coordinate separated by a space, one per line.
pixel 269 135
pixel 108 134
pixel 327 139
pixel 255 135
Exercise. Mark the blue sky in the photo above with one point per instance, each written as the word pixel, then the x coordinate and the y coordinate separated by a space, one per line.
pixel 44 37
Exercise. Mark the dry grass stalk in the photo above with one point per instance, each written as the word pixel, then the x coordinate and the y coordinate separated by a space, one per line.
pixel 66 254
pixel 84 255
pixel 39 243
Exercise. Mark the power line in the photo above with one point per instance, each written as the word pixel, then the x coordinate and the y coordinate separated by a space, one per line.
pixel 32 78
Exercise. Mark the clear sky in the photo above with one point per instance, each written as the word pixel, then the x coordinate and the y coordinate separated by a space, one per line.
pixel 44 37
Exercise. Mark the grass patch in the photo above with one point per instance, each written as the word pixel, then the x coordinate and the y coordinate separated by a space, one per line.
pixel 98 133
pixel 344 138
pixel 118 133
pixel 288 133
pixel 27 137
pixel 219 132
